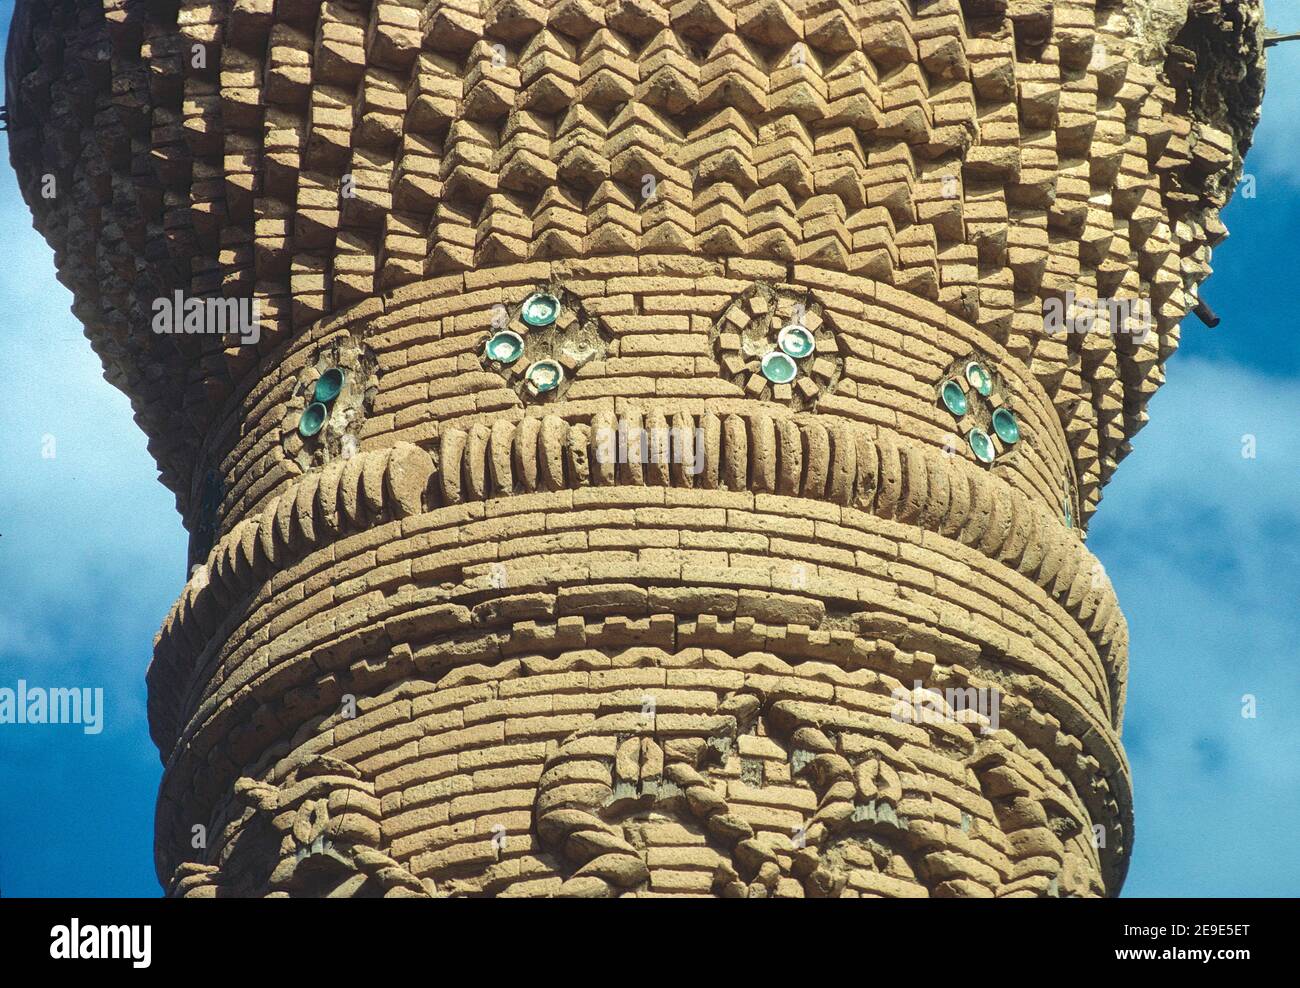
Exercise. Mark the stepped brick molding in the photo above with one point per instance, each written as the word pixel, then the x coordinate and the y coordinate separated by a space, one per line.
pixel 650 445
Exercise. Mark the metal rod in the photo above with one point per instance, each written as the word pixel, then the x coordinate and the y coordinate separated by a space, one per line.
pixel 1206 314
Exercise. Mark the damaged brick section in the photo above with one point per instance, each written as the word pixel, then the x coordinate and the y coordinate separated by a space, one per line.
pixel 1217 65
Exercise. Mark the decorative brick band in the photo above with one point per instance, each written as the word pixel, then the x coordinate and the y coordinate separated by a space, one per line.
pixel 231 662
pixel 785 457
pixel 427 343
pixel 420 702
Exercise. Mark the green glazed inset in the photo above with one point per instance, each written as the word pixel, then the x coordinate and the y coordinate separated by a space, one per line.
pixel 329 384
pixel 795 341
pixel 544 375
pixel 504 347
pixel 979 378
pixel 982 446
pixel 312 419
pixel 541 309
pixel 1006 426
pixel 778 368
pixel 954 399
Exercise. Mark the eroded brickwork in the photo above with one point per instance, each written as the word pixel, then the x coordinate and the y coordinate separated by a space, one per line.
pixel 533 555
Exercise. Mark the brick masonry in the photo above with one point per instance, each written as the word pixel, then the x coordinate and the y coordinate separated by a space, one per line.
pixel 457 642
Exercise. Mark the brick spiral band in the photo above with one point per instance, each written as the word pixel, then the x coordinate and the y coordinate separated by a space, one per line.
pixel 638 428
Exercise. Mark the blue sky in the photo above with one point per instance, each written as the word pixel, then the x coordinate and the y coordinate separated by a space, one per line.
pixel 1200 542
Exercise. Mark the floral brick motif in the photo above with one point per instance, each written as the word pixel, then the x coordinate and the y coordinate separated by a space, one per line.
pixel 785 326
pixel 979 398
pixel 541 342
pixel 338 386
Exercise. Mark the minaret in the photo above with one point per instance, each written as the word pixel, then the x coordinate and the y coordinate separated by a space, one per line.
pixel 637 447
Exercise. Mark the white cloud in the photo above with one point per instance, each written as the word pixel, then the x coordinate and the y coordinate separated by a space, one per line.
pixel 1200 544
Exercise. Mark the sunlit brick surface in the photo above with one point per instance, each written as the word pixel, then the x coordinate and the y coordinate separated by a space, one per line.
pixel 449 644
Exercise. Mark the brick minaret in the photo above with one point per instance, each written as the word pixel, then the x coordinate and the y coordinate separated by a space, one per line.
pixel 659 454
